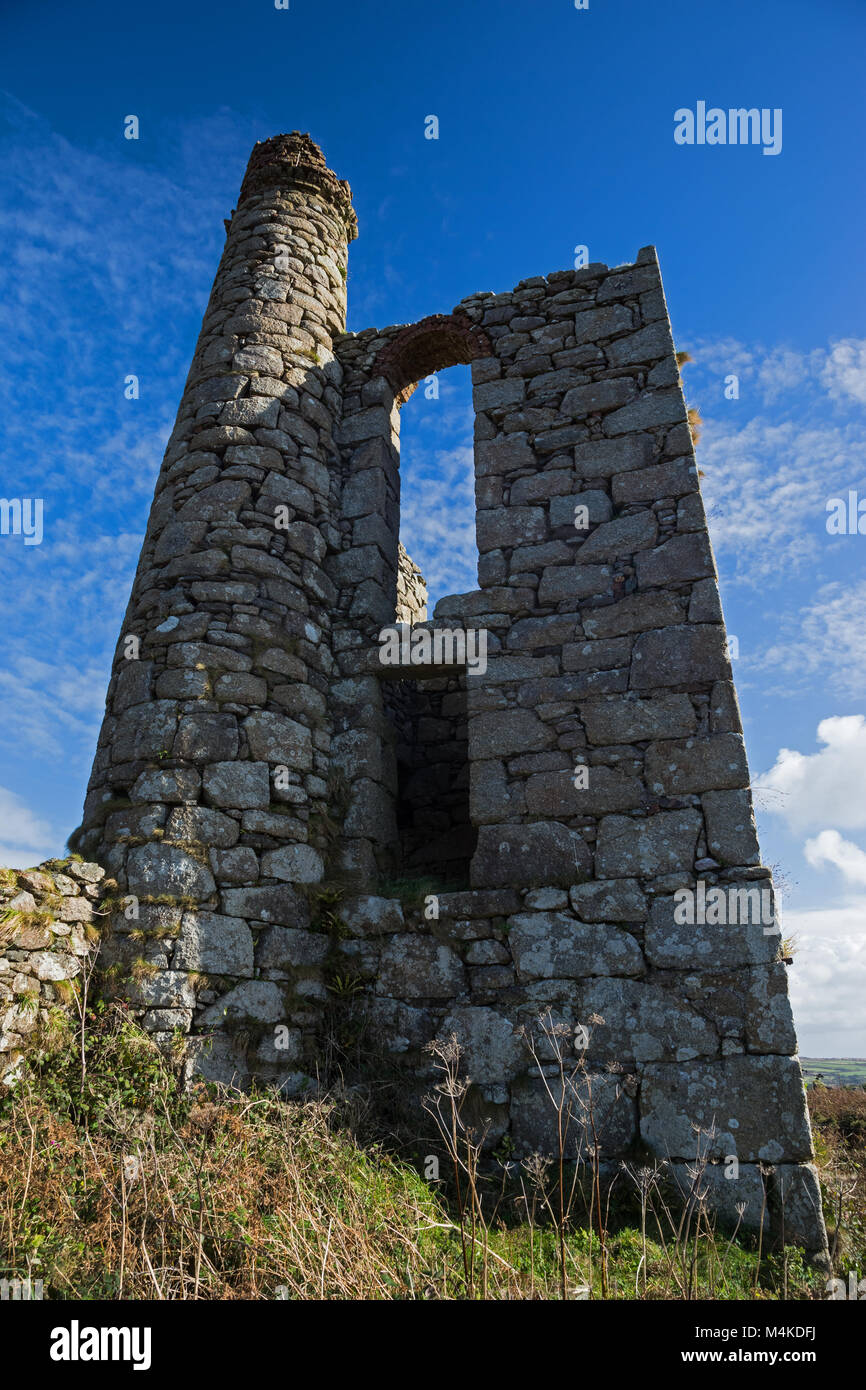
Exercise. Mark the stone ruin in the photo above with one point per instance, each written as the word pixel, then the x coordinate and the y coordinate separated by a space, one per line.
pixel 299 829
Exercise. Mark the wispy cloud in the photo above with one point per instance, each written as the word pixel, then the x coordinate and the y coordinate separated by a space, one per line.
pixel 769 373
pixel 106 272
pixel 823 643
pixel 25 838
pixel 766 485
pixel 437 514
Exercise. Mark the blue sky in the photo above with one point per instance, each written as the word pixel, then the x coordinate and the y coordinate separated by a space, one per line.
pixel 556 129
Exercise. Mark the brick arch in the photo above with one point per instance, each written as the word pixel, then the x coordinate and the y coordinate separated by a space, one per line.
pixel 431 345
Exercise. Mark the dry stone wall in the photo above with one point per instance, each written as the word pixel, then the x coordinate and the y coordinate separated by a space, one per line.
pixel 411 590
pixel 47 939
pixel 263 773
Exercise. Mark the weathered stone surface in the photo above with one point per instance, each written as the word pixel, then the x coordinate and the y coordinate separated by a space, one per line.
pixel 642 1023
pixel 672 479
pixel 168 989
pixel 172 784
pixel 234 866
pixel 602 323
pixel 563 510
pixel 535 1120
pixel 738 939
pixel 597 397
pixel 650 410
pixel 275 739
pixel 552 945
pixel 607 789
pixel 202 826
pixel 510 855
pixel 693 654
pixel 288 948
pixel 731 834
pixel 496 395
pixel 604 458
pixel 371 812
pixel 372 916
pixel 241 687
pixel 726 1193
pixel 705 605
pixel 609 900
pixel 796 1206
pixel 74 910
pixel 503 455
pixel 647 345
pixel 755 1105
pixel 604 655
pixel 634 613
pixel 294 864
pixel 259 1001
pixel 144 731
pixel 156 869
pixel 419 967
pixel 679 559
pixel 493 796
pixel 210 942
pixel 54 965
pixel 499 734
pixel 506 526
pixel 494 1052
pixel 767 1015
pixel 400 1026
pixel 697 764
pixel 281 904
pixel 568 583
pixel 216 1058
pixel 628 719
pixel 240 786
pixel 619 538
pixel 628 847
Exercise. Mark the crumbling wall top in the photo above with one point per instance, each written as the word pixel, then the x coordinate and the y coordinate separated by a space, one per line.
pixel 296 158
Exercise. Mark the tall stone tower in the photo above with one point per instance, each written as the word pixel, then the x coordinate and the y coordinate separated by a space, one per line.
pixel 332 824
pixel 212 763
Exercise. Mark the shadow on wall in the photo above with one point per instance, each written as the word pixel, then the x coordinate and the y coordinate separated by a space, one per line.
pixel 429 719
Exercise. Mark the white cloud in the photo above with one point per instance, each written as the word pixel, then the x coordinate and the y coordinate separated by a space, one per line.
pixel 831 848
pixel 824 788
pixel 25 839
pixel 828 979
pixel 844 372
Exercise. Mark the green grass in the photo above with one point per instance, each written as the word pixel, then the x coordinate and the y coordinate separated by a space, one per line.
pixel 250 1197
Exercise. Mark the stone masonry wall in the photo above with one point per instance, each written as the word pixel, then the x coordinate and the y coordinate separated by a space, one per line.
pixel 247 789
pixel 46 939
pixel 607 762
pixel 411 590
pixel 210 792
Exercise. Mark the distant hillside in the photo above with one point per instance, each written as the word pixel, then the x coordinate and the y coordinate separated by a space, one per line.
pixel 835 1071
